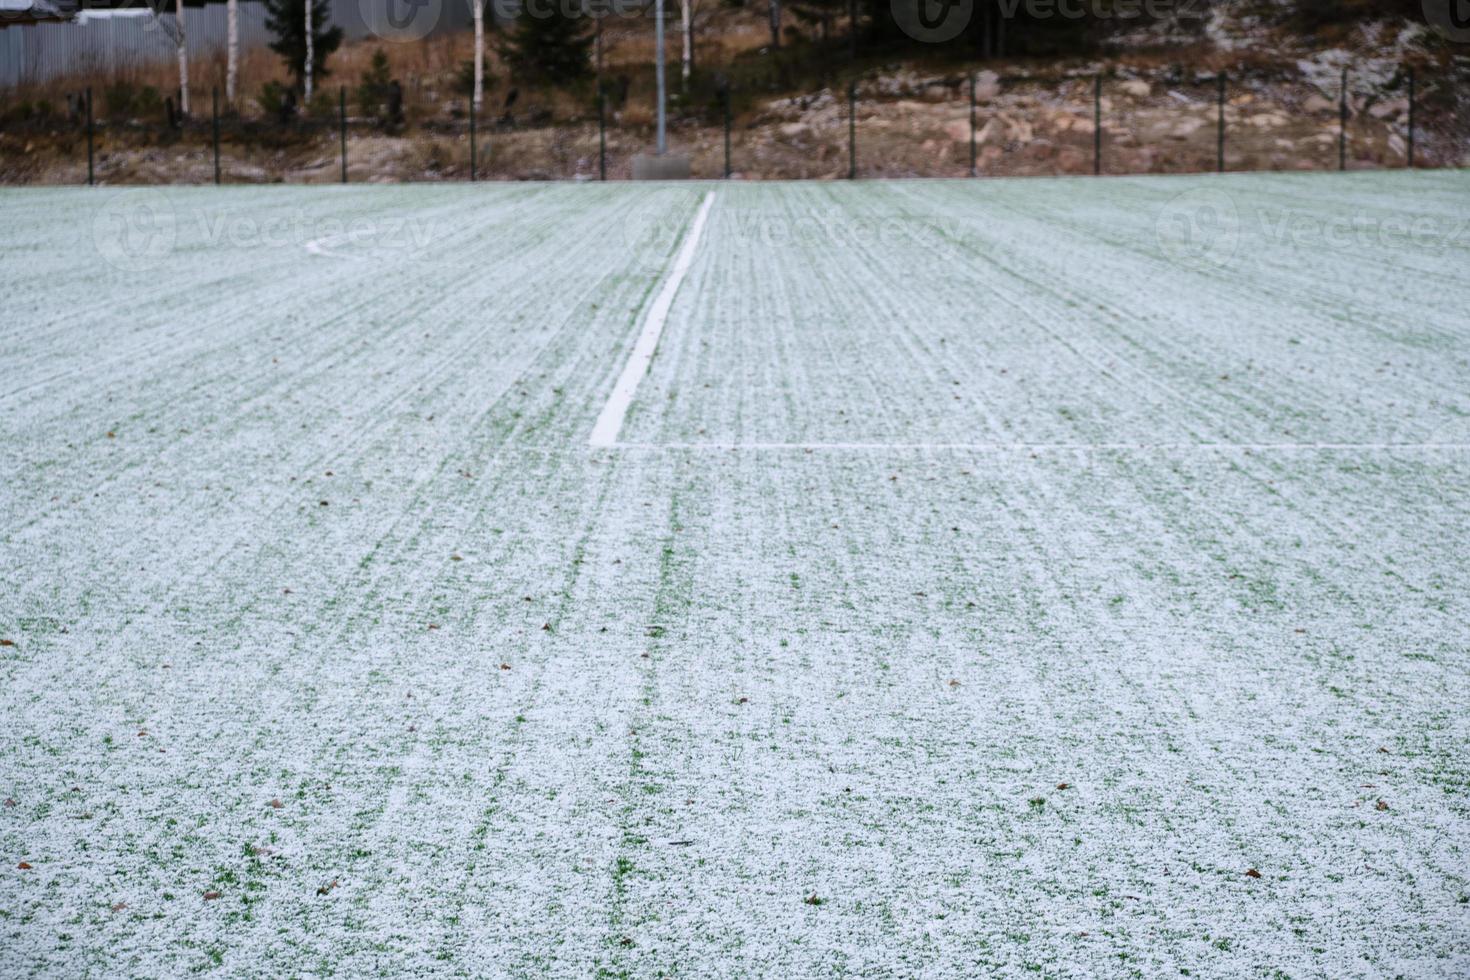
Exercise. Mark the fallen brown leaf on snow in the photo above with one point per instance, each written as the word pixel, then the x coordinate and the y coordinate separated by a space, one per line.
pixel 1252 873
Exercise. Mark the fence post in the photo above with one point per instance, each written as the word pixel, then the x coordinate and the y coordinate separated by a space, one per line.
pixel 214 101
pixel 473 141
pixel 1097 125
pixel 726 91
pixel 972 125
pixel 1411 119
pixel 90 180
pixel 601 133
pixel 1220 129
pixel 852 130
pixel 342 112
pixel 1342 114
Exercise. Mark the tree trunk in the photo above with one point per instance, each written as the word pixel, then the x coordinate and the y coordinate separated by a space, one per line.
pixel 310 54
pixel 687 25
pixel 776 24
pixel 232 48
pixel 479 9
pixel 183 60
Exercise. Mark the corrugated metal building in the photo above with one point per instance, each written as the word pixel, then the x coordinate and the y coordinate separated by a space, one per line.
pixel 34 49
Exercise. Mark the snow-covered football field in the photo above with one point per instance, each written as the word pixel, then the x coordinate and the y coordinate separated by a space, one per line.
pixel 980 577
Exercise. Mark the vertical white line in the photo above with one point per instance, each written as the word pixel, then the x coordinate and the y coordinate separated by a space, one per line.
pixel 610 422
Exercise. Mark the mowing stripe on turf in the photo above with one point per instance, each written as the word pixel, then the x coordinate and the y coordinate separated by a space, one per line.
pixel 610 421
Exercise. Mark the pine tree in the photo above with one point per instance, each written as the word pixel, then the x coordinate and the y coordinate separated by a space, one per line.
pixel 547 46
pixel 286 19
pixel 375 85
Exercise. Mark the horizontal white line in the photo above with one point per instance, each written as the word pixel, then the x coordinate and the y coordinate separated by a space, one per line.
pixel 610 421
pixel 1046 446
pixel 323 246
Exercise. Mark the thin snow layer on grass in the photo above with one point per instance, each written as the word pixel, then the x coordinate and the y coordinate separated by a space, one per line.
pixel 321 605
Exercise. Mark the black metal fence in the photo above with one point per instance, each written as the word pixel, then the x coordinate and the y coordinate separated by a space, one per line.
pixel 871 127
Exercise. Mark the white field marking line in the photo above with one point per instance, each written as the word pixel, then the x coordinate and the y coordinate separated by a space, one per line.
pixel 610 421
pixel 323 246
pixel 1213 447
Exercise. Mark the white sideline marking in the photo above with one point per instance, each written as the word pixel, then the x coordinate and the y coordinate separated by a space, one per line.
pixel 610 422
pixel 1263 447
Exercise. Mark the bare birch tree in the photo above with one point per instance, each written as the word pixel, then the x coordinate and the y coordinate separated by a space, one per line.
pixel 478 7
pixel 310 52
pixel 232 48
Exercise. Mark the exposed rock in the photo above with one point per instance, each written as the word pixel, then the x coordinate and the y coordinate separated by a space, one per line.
pixel 1185 128
pixel 987 86
pixel 992 132
pixel 1391 108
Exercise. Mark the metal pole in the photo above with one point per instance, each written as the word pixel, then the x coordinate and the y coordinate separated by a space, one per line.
pixel 1097 126
pixel 852 130
pixel 1342 114
pixel 727 130
pixel 473 160
pixel 342 109
pixel 90 178
pixel 214 99
pixel 1220 130
pixel 601 134
pixel 1411 119
pixel 852 30
pixel 658 67
pixel 972 126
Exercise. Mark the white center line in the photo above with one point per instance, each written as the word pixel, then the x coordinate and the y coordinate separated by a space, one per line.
pixel 610 422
